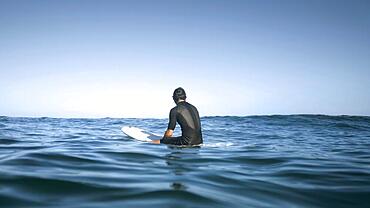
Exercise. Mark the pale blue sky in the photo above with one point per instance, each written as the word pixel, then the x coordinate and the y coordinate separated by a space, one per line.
pixel 91 58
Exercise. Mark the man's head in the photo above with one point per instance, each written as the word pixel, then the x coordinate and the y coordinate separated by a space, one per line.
pixel 179 94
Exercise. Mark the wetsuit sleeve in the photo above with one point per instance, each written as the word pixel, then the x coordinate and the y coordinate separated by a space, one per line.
pixel 174 141
pixel 172 121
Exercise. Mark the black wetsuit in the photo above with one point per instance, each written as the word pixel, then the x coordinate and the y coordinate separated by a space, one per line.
pixel 188 117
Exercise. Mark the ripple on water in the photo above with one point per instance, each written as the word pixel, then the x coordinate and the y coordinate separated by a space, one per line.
pixel 4 140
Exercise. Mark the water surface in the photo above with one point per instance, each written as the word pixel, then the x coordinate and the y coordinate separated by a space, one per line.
pixel 255 161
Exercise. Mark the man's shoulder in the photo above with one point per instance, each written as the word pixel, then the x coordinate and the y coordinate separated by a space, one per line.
pixel 192 106
pixel 182 106
pixel 174 109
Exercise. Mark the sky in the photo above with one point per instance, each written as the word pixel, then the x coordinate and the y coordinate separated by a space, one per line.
pixel 106 58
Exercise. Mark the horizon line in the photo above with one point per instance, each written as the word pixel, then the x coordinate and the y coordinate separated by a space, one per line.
pixel 206 116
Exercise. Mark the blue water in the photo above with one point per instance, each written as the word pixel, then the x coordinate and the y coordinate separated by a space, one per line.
pixel 257 161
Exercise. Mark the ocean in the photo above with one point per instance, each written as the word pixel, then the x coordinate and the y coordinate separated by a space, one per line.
pixel 252 161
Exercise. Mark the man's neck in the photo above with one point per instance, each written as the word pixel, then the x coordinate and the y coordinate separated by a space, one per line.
pixel 180 101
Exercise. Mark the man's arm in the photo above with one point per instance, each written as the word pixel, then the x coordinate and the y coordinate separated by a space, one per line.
pixel 171 123
pixel 171 126
pixel 167 133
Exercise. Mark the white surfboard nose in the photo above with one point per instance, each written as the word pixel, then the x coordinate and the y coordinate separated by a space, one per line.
pixel 136 133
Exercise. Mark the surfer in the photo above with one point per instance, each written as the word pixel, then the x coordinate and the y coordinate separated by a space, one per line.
pixel 188 117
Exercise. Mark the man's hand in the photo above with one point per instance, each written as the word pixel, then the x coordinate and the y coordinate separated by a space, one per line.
pixel 156 141
pixel 168 133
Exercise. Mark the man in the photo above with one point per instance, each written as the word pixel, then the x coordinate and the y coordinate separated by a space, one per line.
pixel 188 117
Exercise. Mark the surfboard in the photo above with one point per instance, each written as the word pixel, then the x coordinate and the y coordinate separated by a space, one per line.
pixel 139 134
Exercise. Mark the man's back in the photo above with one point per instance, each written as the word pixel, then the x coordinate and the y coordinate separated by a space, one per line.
pixel 188 117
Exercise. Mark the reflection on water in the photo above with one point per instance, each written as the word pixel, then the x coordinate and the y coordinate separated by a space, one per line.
pixel 178 186
pixel 180 169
